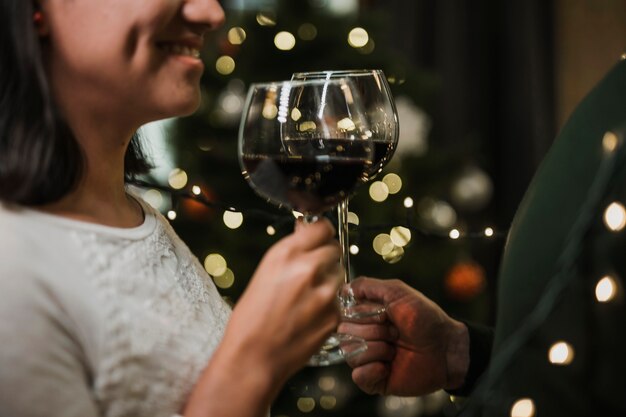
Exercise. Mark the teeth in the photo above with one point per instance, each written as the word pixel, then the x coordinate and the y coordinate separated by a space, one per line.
pixel 181 50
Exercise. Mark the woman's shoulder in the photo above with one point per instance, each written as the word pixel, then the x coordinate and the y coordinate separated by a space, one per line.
pixel 15 241
pixel 34 251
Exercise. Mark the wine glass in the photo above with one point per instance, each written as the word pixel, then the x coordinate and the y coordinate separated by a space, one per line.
pixel 382 118
pixel 304 146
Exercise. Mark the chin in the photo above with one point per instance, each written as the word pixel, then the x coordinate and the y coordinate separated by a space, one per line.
pixel 181 108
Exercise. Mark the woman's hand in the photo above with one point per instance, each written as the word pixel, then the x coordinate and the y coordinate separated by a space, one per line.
pixel 415 349
pixel 289 307
pixel 283 317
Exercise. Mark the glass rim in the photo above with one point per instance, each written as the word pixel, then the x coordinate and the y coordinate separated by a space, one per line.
pixel 280 83
pixel 342 72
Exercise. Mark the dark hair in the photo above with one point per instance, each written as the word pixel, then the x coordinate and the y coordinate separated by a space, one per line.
pixel 40 159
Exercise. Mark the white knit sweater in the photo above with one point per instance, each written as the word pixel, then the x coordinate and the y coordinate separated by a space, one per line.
pixel 101 321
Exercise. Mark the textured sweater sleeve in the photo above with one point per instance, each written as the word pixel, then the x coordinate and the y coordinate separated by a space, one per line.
pixel 481 342
pixel 42 367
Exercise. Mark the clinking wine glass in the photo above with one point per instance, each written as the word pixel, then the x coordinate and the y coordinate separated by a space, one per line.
pixel 382 119
pixel 304 146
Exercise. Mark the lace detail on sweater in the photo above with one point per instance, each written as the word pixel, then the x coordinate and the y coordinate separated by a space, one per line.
pixel 164 318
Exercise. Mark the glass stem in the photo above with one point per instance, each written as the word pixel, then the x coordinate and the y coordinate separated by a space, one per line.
pixel 345 294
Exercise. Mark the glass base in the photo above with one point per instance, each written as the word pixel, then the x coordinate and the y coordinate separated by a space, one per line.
pixel 336 349
pixel 362 310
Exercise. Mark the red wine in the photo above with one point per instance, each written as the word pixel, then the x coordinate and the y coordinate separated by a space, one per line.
pixel 308 184
pixel 383 151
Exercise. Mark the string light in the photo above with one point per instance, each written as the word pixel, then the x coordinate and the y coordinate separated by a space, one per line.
pixel 225 65
pixel 284 41
pixel 153 195
pixel 561 353
pixel 233 219
pixel 307 32
pixel 393 182
pixel 236 35
pixel 226 280
pixel 177 179
pixel 382 244
pixel 327 383
pixel 270 111
pixel 171 215
pixel 353 218
pixel 328 402
pixel 524 407
pixel 378 191
pixel 215 264
pixel 489 232
pixel 295 114
pixel 266 19
pixel 346 124
pixel 400 236
pixel 368 48
pixel 358 37
pixel 454 234
pixel 354 249
pixel 605 289
pixel 610 141
pixel 615 217
pixel 306 404
pixel 394 255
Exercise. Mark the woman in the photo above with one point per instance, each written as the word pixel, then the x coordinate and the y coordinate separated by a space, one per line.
pixel 103 310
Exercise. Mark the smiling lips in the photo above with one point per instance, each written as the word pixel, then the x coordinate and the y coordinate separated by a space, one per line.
pixel 190 48
pixel 177 49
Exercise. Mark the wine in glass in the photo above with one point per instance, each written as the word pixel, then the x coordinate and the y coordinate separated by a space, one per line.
pixel 304 146
pixel 382 119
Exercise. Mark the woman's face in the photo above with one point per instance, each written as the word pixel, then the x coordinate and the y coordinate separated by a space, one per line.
pixel 133 59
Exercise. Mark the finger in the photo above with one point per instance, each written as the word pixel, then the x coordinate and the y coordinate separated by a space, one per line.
pixel 320 266
pixel 371 378
pixel 322 323
pixel 375 352
pixel 320 306
pixel 307 236
pixel 383 291
pixel 326 256
pixel 382 332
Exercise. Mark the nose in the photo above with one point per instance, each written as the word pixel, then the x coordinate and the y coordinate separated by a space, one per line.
pixel 204 12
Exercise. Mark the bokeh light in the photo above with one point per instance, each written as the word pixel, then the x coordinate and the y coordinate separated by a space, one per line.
pixel 379 191
pixel 225 65
pixel 393 182
pixel 215 264
pixel 177 179
pixel 233 219
pixel 561 353
pixel 524 407
pixel 615 217
pixel 284 41
pixel 307 32
pixel 236 35
pixel 358 37
pixel 606 289
pixel 226 280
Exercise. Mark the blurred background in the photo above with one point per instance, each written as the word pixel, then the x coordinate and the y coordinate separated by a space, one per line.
pixel 482 87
